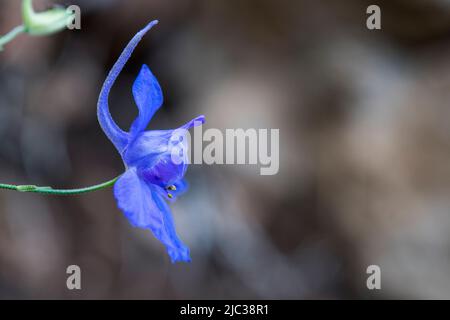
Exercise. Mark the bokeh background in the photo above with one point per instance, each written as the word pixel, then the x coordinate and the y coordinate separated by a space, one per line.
pixel 364 176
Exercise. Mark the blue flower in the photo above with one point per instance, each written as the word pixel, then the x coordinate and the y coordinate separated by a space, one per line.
pixel 155 160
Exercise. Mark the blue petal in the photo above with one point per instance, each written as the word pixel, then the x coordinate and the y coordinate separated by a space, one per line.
pixel 162 170
pixel 134 198
pixel 145 208
pixel 197 121
pixel 148 97
pixel 175 248
pixel 148 144
pixel 155 142
pixel 159 159
pixel 117 136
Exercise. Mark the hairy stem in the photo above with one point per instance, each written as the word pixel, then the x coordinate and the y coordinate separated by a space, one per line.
pixel 60 192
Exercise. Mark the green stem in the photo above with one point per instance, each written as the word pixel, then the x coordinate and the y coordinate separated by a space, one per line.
pixel 60 192
pixel 11 35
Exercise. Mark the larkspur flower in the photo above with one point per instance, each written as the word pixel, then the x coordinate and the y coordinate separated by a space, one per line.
pixel 153 175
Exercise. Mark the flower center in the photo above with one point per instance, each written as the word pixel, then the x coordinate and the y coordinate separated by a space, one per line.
pixel 170 188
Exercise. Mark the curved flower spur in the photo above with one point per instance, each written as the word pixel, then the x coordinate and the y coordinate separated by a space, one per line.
pixel 155 161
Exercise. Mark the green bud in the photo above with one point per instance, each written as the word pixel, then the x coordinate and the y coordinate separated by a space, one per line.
pixel 47 22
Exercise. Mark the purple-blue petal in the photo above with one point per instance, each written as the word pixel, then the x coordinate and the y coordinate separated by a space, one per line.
pixel 149 143
pixel 145 208
pixel 154 143
pixel 197 121
pixel 162 170
pixel 134 198
pixel 148 97
pixel 175 248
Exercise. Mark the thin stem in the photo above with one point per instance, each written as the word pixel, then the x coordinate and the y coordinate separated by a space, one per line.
pixel 11 35
pixel 60 192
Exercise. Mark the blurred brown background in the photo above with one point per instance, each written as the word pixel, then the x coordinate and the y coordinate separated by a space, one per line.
pixel 364 153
